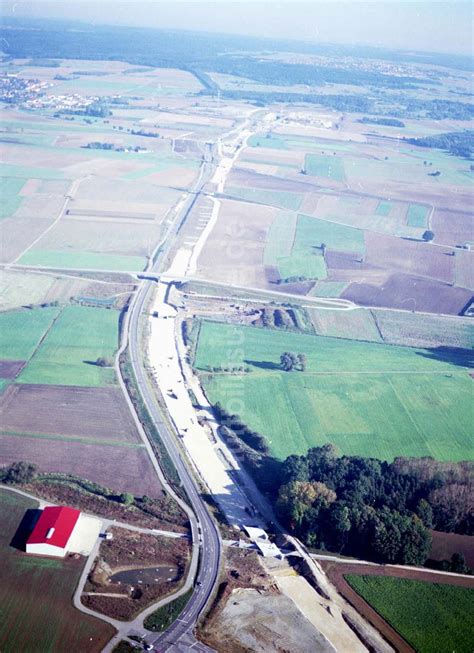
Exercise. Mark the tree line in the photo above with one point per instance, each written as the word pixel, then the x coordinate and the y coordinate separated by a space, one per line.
pixel 358 506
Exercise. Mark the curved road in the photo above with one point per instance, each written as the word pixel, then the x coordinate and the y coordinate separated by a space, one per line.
pixel 179 636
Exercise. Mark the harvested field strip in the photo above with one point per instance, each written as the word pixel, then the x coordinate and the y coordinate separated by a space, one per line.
pixel 280 237
pixel 10 369
pixel 464 269
pixel 92 414
pixel 248 158
pixel 67 355
pixel 355 325
pixel 322 165
pixel 21 331
pixel 76 260
pixel 417 330
pixel 281 199
pixel 368 399
pixel 123 469
pixel 29 624
pixel 417 215
pixel 71 438
pixel 430 616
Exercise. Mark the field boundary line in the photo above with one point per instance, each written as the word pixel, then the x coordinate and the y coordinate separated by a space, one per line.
pixel 405 409
pixel 64 438
pixel 69 195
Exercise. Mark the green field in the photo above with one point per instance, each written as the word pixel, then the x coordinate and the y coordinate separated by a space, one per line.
pixel 417 215
pixel 314 232
pixel 383 208
pixel 271 142
pixel 280 198
pixel 80 335
pixel 30 623
pixel 76 260
pixel 27 172
pixel 368 399
pixel 324 165
pixel 296 249
pixel 280 237
pixel 358 324
pixel 328 289
pixel 11 200
pixel 21 331
pixel 432 617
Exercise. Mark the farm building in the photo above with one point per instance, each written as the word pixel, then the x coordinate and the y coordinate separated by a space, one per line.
pixel 53 531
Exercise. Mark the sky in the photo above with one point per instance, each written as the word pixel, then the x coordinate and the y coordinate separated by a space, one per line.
pixel 436 25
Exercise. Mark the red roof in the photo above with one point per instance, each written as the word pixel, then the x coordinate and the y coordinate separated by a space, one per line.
pixel 56 522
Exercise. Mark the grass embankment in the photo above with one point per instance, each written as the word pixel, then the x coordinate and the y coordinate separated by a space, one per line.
pixel 431 617
pixel 162 618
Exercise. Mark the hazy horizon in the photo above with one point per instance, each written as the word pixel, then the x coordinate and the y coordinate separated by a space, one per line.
pixel 444 27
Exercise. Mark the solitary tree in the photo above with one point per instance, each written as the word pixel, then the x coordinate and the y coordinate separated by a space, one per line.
pixel 302 361
pixel 126 498
pixel 288 361
pixel 102 361
pixel 428 235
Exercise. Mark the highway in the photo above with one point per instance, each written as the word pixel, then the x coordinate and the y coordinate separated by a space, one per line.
pixel 204 530
pixel 179 637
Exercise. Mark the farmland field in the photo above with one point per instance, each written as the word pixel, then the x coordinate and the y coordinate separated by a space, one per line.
pixel 383 208
pixel 296 249
pixel 23 578
pixel 85 414
pixel 21 331
pixel 67 355
pixel 430 616
pixel 76 260
pixel 321 165
pixel 356 325
pixel 417 215
pixel 282 199
pixel 9 192
pixel 404 328
pixel 366 398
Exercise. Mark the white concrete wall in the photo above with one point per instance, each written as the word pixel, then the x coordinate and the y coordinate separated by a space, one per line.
pixel 46 550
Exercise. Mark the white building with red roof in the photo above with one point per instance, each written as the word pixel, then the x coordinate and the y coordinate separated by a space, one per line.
pixel 53 531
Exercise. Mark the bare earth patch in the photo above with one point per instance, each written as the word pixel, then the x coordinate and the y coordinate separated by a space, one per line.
pixel 92 413
pixel 410 293
pixel 164 559
pixel 127 469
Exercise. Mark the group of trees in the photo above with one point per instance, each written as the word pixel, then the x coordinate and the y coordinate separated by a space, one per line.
pixel 19 472
pixel 290 361
pixel 457 143
pixel 233 423
pixel 389 122
pixel 373 509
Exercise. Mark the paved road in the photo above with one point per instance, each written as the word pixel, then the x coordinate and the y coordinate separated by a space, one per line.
pixel 179 637
pixel 205 529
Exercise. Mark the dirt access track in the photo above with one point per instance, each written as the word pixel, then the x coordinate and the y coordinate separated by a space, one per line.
pixel 336 572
